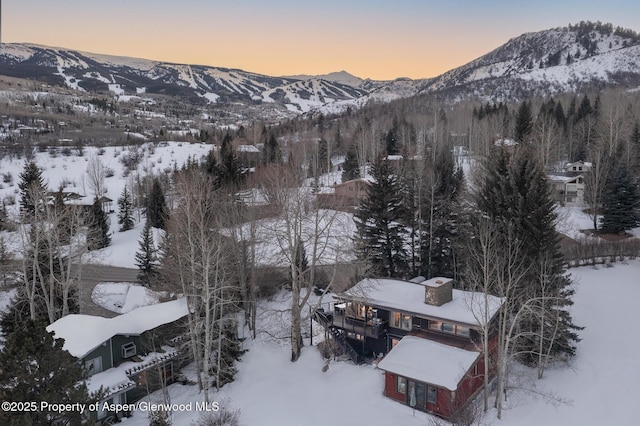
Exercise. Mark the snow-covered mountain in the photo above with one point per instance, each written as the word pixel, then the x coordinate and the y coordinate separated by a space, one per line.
pixel 548 62
pixel 198 83
pixel 545 63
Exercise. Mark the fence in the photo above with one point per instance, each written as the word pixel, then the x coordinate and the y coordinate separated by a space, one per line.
pixel 595 251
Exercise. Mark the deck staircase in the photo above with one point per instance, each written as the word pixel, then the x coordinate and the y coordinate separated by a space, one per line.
pixel 325 319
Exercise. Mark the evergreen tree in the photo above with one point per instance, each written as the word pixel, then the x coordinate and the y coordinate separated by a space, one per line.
pixel 146 257
pixel 439 216
pixel 391 138
pixel 584 109
pixel 4 219
pixel 635 148
pixel 380 235
pixel 210 165
pixel 156 206
pixel 31 188
pixel 516 194
pixel 125 211
pixel 350 167
pixel 98 232
pixel 271 153
pixel 620 202
pixel 323 158
pixel 230 171
pixel 36 368
pixel 559 115
pixel 524 122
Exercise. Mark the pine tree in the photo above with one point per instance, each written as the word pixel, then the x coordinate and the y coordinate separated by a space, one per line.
pixel 516 194
pixel 210 165
pixel 439 216
pixel 4 219
pixel 391 138
pixel 98 232
pixel 323 156
pixel 524 122
pixel 36 368
pixel 620 202
pixel 350 167
pixel 380 235
pixel 635 148
pixel 230 171
pixel 31 188
pixel 125 211
pixel 271 153
pixel 156 207
pixel 146 257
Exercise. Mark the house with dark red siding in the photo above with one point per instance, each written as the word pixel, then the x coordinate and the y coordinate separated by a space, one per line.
pixel 426 335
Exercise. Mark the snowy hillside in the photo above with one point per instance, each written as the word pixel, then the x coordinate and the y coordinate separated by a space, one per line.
pixel 551 61
pixel 128 76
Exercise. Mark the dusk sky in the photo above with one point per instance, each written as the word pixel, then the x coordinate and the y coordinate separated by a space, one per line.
pixel 371 39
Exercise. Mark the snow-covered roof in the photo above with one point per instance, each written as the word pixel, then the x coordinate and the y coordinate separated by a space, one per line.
pixel 428 361
pixel 563 178
pixel 506 142
pixel 466 307
pixel 248 148
pixel 84 333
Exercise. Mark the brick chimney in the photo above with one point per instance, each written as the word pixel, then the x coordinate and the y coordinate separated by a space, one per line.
pixel 438 291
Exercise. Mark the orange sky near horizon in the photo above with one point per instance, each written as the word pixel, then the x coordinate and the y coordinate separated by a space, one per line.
pixel 370 39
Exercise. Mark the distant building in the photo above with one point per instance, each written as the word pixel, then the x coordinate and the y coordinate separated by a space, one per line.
pixel 568 188
pixel 344 196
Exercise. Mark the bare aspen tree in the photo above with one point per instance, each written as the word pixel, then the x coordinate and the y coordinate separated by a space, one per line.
pixel 596 179
pixel 481 278
pixel 96 174
pixel 511 271
pixel 305 228
pixel 546 135
pixel 54 255
pixel 198 262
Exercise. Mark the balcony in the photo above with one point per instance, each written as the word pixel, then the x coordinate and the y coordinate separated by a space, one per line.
pixel 371 328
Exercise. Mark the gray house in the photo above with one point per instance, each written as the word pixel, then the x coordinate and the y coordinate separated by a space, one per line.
pixel 129 355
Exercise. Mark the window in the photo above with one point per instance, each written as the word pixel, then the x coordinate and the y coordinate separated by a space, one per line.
pixel 432 394
pixel 401 384
pixel 400 320
pixel 355 336
pixel 447 327
pixel 93 366
pixel 462 331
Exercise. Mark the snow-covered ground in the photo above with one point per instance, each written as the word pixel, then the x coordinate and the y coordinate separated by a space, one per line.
pixel 70 172
pixel 598 387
